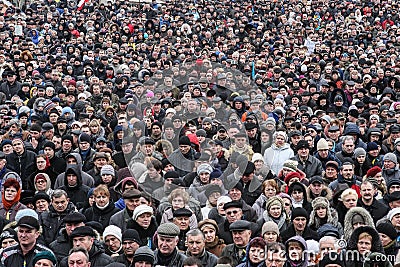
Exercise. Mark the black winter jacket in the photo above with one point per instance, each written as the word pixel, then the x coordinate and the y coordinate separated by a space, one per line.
pixel 12 256
pixel 97 257
pixel 102 216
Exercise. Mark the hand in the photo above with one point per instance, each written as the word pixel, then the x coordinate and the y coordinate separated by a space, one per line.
pixel 34 142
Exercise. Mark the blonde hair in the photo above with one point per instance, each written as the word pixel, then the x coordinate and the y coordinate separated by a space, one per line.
pixel 179 192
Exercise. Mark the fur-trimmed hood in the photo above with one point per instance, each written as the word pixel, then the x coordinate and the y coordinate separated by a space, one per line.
pixel 326 192
pixel 376 241
pixel 332 215
pixel 348 227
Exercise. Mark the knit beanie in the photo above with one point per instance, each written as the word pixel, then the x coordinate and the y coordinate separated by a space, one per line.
pixel 114 231
pixel 322 144
pixel 372 146
pixel 270 227
pixel 274 201
pixel 141 209
pixel 387 229
pixel 291 175
pixel 299 212
pixel 185 141
pixel 291 165
pixel 390 157
pixel 107 169
pixel 392 213
pixel 359 151
pixel 144 254
pixel 223 199
pixel 332 258
pixel 205 167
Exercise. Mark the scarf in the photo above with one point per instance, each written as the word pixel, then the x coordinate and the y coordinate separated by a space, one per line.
pixel 103 208
pixel 8 204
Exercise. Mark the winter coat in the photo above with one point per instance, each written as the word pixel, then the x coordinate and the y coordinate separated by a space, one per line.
pixel 274 157
pixel 174 260
pixel 352 128
pixel 353 183
pixel 207 259
pixel 331 157
pixel 77 194
pixel 86 178
pixel 326 192
pixel 352 260
pixel 97 257
pixel 52 222
pixel 184 164
pixel 377 209
pixel 311 167
pixel 194 206
pixel 61 246
pixel 12 256
pixel 87 163
pixel 307 234
pixel 225 234
pixel 146 235
pixel 259 205
pixel 282 222
pixel 390 174
pixel 23 164
pixel 216 246
pixel 101 215
pixel 331 217
pixel 348 226
pixel 121 219
pixel 10 214
pixel 232 251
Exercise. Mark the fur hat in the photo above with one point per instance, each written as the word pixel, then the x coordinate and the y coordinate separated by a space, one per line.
pixel 320 202
pixel 208 223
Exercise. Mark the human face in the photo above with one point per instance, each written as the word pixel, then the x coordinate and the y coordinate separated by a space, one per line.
pixel 297 196
pixel 72 179
pixel 196 245
pixel 275 259
pixel 18 146
pixel 364 245
pixel 279 141
pixel 10 193
pixel 60 203
pixel 240 142
pixel 367 192
pixel 27 236
pixel 348 146
pixel 387 164
pixel 269 191
pixel 209 234
pixel 66 145
pixel 78 259
pixel 184 149
pixel 182 222
pixel 84 146
pixel 235 194
pixel 69 227
pixel 178 202
pixel 295 251
pixel 100 162
pixel 44 263
pixel 350 201
pixel 299 223
pixel 144 220
pixel 41 163
pixel 326 246
pixel 347 172
pixel 316 188
pixel 321 212
pixel 204 177
pixel 101 200
pixel 85 242
pixel 129 247
pixel 270 237
pixel 42 205
pixel 385 239
pixel 275 211
pixel 8 242
pixel 233 214
pixel 396 221
pixel 256 254
pixel 132 203
pixel 112 242
pixel 241 238
pixel 331 173
pixel 167 245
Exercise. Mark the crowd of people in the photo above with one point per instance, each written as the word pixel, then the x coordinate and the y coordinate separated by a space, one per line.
pixel 199 133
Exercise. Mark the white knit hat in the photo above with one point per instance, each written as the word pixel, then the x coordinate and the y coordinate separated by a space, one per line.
pixel 223 199
pixel 393 213
pixel 114 231
pixel 141 209
pixel 257 156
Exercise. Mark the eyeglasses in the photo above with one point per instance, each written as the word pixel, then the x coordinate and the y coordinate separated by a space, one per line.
pixel 233 212
pixel 41 181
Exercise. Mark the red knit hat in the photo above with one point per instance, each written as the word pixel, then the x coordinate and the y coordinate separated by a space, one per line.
pixel 373 171
pixel 292 175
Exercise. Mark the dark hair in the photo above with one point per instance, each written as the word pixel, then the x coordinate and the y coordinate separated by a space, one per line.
pixel 192 261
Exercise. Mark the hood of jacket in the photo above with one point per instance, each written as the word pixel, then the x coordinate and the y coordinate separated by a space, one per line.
pixel 332 218
pixel 284 147
pixel 376 241
pixel 299 239
pixel 121 184
pixel 48 181
pixel 78 159
pixel 348 227
pixel 352 128
pixel 73 169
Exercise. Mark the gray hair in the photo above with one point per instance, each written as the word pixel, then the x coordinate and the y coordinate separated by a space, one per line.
pixel 58 193
pixel 195 232
pixel 79 249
